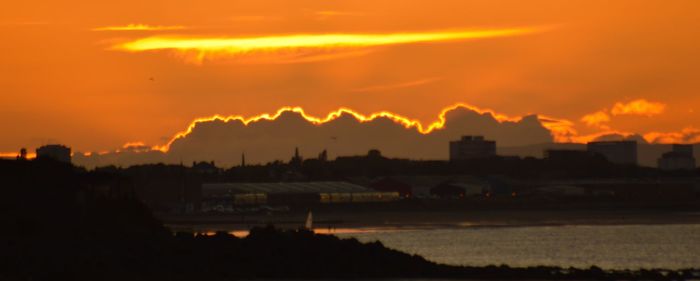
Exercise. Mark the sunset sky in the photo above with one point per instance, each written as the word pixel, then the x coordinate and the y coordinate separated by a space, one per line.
pixel 98 74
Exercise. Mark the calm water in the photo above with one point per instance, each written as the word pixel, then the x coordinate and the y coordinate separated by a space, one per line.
pixel 619 247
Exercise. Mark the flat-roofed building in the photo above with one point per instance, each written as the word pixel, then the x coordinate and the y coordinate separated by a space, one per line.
pixel 290 193
pixel 618 152
pixel 54 151
pixel 472 147
pixel 679 158
pixel 565 155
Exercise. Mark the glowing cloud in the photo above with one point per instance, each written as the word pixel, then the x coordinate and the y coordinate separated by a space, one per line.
pixel 638 107
pixel 596 119
pixel 408 123
pixel 601 119
pixel 133 144
pixel 136 146
pixel 138 27
pixel 562 130
pixel 687 135
pixel 204 46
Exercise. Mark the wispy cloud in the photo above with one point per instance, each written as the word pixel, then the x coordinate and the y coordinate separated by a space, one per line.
pixel 203 47
pixel 139 27
pixel 638 107
pixel 408 84
pixel 687 135
pixel 310 57
pixel 597 119
pixel 562 130
pixel 641 107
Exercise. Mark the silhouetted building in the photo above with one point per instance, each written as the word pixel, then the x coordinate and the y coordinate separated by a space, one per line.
pixel 618 152
pixel 22 154
pixel 296 159
pixel 54 151
pixel 560 190
pixel 205 167
pixel 419 185
pixel 323 156
pixel 566 155
pixel 472 147
pixel 374 153
pixel 388 184
pixel 680 158
pixel 498 186
pixel 458 190
pixel 448 191
pixel 223 197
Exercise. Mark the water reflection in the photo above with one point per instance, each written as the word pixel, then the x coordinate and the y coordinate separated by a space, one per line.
pixel 615 247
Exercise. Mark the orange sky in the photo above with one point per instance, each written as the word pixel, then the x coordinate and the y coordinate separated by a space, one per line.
pixel 628 66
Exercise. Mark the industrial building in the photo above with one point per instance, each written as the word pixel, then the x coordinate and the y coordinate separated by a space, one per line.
pixel 227 195
pixel 436 186
pixel 388 184
pixel 618 152
pixel 56 152
pixel 679 158
pixel 472 147
pixel 458 190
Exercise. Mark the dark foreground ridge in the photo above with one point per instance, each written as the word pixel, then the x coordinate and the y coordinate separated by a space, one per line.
pixel 60 225
pixel 267 253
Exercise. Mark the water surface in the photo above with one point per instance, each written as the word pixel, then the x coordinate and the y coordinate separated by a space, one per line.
pixel 614 247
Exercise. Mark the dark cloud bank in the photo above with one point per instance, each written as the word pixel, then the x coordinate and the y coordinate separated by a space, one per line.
pixel 265 140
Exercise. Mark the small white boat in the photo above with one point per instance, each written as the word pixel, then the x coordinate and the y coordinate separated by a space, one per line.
pixel 309 221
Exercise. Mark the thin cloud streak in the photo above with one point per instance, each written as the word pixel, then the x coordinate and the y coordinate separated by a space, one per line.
pixel 203 47
pixel 284 57
pixel 139 27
